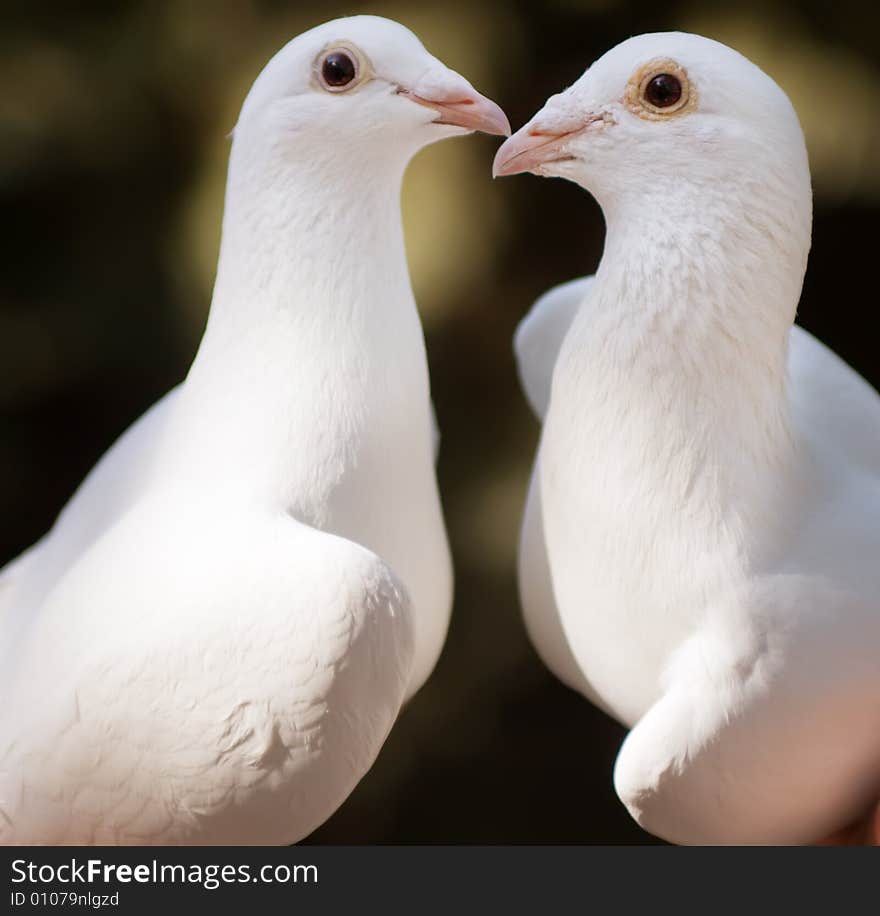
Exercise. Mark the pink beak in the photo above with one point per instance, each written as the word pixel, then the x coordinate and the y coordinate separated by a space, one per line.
pixel 530 148
pixel 464 108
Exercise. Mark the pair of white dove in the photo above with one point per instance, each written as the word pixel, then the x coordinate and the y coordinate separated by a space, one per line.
pixel 213 641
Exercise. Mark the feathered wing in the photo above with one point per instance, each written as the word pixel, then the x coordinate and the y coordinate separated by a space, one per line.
pixel 111 487
pixel 538 601
pixel 833 404
pixel 536 345
pixel 233 691
pixel 539 336
pixel 435 433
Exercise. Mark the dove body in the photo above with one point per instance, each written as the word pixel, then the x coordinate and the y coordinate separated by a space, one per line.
pixel 215 638
pixel 699 540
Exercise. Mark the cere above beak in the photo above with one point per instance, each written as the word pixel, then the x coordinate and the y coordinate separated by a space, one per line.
pixel 466 109
pixel 530 148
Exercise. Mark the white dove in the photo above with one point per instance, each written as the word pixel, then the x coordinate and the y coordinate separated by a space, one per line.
pixel 700 547
pixel 214 640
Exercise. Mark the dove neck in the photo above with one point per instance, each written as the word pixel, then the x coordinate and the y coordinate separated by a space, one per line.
pixel 312 269
pixel 705 284
pixel 306 239
pixel 679 354
pixel 313 346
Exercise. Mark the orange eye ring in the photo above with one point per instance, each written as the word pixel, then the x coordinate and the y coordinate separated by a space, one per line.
pixel 660 89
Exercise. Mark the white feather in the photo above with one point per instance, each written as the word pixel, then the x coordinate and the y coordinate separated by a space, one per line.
pixel 212 643
pixel 709 477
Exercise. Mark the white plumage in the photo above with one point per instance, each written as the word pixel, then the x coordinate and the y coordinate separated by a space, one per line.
pixel 699 551
pixel 212 643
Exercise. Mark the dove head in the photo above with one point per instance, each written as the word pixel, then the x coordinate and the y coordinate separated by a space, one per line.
pixel 359 89
pixel 665 114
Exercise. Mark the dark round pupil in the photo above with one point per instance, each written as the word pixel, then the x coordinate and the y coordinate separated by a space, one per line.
pixel 337 69
pixel 664 90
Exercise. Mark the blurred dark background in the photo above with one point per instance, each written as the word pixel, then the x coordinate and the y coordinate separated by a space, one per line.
pixel 113 124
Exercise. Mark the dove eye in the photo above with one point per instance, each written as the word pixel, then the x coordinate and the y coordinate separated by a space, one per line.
pixel 662 91
pixel 339 69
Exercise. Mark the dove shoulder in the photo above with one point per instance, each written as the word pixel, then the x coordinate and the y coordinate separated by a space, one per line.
pixel 832 403
pixel 539 336
pixel 111 487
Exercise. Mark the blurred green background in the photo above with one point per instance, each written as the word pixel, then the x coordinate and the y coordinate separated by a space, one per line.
pixel 113 143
